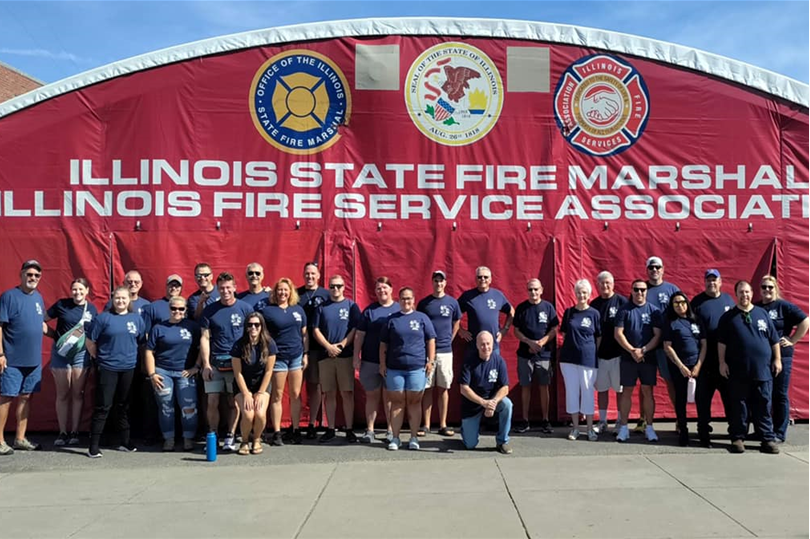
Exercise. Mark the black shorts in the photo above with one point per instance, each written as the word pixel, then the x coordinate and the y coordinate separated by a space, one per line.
pixel 646 372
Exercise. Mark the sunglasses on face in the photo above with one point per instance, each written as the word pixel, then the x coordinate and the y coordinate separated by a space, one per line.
pixel 34 275
pixel 254 273
pixel 679 302
pixel 335 286
pixel 482 277
pixel 534 290
pixel 654 268
pixel 253 325
pixel 639 290
pixel 178 309
pixel 767 287
pixel 202 275
pixel 174 284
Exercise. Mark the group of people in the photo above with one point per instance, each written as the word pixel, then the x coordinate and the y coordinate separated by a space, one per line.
pixel 247 347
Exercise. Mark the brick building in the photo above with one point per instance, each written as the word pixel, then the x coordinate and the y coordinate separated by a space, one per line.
pixel 14 82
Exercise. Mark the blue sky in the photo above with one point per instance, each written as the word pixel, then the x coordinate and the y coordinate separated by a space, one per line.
pixel 54 40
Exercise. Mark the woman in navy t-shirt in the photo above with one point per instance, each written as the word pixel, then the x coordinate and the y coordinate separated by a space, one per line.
pixel 113 339
pixel 253 357
pixel 581 329
pixel 71 366
pixel 685 346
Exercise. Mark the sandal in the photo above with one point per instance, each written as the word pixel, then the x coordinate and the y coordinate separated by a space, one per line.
pixel 257 448
pixel 244 449
pixel 446 431
pixel 422 431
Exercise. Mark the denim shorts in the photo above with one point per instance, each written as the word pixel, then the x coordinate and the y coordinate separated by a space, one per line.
pixel 20 380
pixel 79 361
pixel 397 380
pixel 292 364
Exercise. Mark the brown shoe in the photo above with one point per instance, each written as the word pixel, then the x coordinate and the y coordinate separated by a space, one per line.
pixel 769 447
pixel 504 449
pixel 737 446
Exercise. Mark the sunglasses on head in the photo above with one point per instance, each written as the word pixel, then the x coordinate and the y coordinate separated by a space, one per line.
pixel 253 325
pixel 639 290
pixel 177 309
pixel 335 286
pixel 311 264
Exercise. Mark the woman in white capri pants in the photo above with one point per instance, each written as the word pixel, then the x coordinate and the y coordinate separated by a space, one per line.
pixel 581 335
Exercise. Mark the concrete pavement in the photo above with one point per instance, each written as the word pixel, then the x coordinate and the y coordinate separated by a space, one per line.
pixel 550 487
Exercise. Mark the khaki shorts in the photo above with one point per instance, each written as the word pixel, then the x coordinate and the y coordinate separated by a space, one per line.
pixel 337 373
pixel 442 373
pixel 609 375
pixel 221 382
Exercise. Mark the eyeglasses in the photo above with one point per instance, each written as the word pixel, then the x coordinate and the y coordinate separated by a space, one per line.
pixel 132 282
pixel 34 275
pixel 335 286
pixel 679 302
pixel 767 287
pixel 483 277
pixel 253 325
pixel 254 274
pixel 639 290
pixel 747 318
pixel 534 290
pixel 202 275
pixel 655 268
pixel 177 309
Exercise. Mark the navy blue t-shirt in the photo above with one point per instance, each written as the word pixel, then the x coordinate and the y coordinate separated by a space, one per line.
pixel 638 323
pixel 257 301
pixel 117 337
pixel 485 378
pixel 406 336
pixel 748 341
pixel 226 324
pixel 708 311
pixel 22 315
pixel 285 326
pixel 685 336
pixel 372 323
pixel 194 300
pixel 581 329
pixel 253 370
pixel 659 295
pixel 535 321
pixel 138 305
pixel 310 300
pixel 156 312
pixel 67 314
pixel 483 310
pixel 443 313
pixel 608 309
pixel 785 317
pixel 336 320
pixel 175 345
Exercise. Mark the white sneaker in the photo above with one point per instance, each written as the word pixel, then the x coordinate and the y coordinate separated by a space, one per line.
pixel 624 434
pixel 389 436
pixel 413 443
pixel 229 444
pixel 393 445
pixel 573 435
pixel 592 435
pixel 367 438
pixel 650 433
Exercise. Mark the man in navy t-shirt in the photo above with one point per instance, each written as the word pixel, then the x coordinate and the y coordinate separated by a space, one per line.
pixel 536 328
pixel 638 332
pixel 749 356
pixel 709 306
pixel 206 294
pixel 22 325
pixel 484 386
pixel 310 297
pixel 133 282
pixel 158 311
pixel 256 296
pixel 483 306
pixel 222 323
pixel 445 314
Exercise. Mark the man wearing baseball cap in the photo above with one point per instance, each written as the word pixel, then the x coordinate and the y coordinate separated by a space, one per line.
pixel 445 313
pixel 22 313
pixel 708 307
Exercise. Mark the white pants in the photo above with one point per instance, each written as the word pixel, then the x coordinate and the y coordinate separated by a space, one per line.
pixel 579 388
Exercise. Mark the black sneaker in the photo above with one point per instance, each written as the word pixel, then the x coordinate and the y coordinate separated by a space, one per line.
pixel 296 438
pixel 74 438
pixel 327 436
pixel 286 435
pixel 61 440
pixel 94 453
pixel 545 427
pixel 127 447
pixel 351 437
pixel 276 439
pixel 311 432
pixel 522 427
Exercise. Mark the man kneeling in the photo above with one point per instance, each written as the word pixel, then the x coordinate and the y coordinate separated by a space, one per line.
pixel 484 386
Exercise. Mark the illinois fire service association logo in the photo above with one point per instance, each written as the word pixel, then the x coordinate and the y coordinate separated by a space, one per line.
pixel 601 105
pixel 298 101
pixel 454 93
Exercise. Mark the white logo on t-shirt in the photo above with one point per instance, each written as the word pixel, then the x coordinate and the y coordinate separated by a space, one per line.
pixel 87 316
pixel 236 320
pixel 491 304
pixel 444 311
pixel 762 325
pixel 542 317
pixel 645 318
pixel 132 328
pixel 612 312
pixel 663 298
pixel 185 334
pixel 586 322
pixel 297 317
pixel 728 307
pixel 39 308
pixel 493 375
pixel 343 314
pixel 773 314
pixel 695 329
pixel 414 324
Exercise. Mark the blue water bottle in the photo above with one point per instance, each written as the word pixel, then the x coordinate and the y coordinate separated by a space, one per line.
pixel 211 447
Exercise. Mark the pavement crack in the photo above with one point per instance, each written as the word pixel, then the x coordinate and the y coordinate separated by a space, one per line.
pixel 315 503
pixel 512 498
pixel 699 495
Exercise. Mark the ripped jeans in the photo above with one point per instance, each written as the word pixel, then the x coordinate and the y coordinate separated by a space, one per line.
pixel 182 390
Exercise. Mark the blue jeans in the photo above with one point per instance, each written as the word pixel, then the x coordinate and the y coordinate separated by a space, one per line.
pixel 781 401
pixel 750 396
pixel 470 426
pixel 184 391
